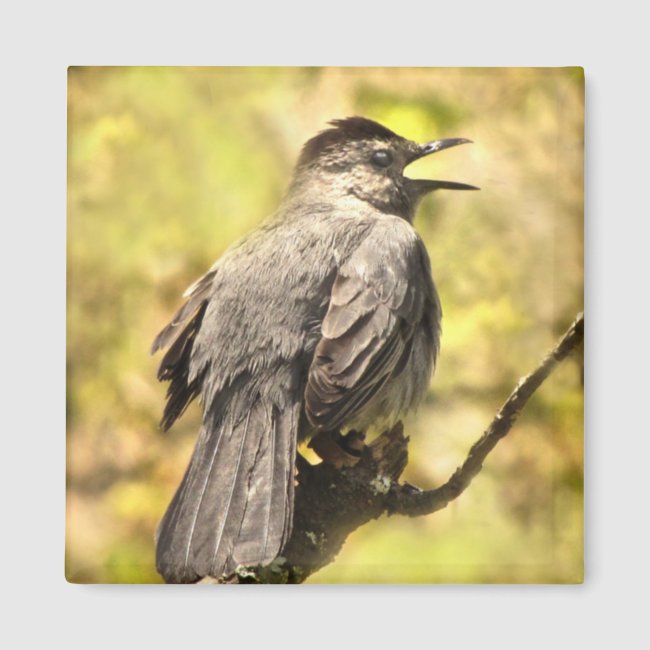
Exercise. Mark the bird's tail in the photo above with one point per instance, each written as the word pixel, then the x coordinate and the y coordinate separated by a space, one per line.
pixel 235 503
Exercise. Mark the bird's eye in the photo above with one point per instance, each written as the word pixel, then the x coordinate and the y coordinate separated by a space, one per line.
pixel 381 158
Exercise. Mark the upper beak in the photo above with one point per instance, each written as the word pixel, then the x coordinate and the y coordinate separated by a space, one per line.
pixel 439 145
pixel 433 147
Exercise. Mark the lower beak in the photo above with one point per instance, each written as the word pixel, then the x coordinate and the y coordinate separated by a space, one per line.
pixel 433 147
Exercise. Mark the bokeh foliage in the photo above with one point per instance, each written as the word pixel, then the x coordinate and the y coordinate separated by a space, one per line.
pixel 169 166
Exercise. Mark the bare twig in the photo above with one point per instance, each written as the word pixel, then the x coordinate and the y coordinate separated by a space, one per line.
pixel 414 504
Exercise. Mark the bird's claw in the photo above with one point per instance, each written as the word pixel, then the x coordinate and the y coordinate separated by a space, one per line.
pixel 339 450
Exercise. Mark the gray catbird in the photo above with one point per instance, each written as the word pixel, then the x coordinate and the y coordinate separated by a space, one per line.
pixel 325 318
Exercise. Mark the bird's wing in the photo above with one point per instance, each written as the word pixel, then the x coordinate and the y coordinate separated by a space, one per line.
pixel 235 502
pixel 367 332
pixel 179 337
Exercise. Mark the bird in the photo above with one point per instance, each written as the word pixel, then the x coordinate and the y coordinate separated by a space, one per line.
pixel 326 318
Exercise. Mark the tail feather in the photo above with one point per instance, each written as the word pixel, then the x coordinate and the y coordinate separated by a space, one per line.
pixel 271 490
pixel 234 505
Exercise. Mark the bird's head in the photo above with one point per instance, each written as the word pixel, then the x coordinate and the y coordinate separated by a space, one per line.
pixel 362 158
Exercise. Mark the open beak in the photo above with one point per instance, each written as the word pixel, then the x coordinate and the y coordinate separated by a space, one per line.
pixel 425 186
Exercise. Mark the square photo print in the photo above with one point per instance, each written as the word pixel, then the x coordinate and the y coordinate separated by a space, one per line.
pixel 324 325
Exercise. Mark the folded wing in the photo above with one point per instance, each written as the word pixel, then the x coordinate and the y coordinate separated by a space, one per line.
pixel 367 333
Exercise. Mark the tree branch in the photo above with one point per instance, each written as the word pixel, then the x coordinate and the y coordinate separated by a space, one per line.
pixel 333 502
pixel 414 504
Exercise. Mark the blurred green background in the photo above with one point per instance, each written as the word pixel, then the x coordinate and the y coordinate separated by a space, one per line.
pixel 169 166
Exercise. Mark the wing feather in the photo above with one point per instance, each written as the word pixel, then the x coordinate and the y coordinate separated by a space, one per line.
pixel 365 337
pixel 179 336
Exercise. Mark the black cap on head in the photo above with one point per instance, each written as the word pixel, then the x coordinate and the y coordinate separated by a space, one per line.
pixel 344 130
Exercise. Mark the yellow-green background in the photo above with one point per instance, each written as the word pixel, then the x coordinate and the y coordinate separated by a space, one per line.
pixel 169 166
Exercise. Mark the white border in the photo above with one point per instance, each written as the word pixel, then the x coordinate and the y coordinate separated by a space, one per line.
pixel 42 41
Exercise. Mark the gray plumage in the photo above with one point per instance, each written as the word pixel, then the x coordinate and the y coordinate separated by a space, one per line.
pixel 325 318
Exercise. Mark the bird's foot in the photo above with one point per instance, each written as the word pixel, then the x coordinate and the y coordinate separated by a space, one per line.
pixel 337 449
